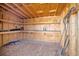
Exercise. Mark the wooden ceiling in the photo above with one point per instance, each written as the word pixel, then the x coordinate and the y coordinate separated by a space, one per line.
pixel 32 10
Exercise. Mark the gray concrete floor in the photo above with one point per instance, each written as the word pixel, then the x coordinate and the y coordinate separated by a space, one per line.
pixel 31 48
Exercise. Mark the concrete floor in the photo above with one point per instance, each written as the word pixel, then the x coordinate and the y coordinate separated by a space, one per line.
pixel 31 48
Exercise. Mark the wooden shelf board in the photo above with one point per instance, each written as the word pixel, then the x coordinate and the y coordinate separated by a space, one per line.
pixel 41 31
pixel 10 32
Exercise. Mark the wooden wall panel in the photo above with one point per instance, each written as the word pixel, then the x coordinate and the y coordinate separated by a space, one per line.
pixel 44 32
pixel 5 39
pixel 13 37
pixel 53 27
pixel 5 26
pixel 8 16
pixel 11 26
pixel 49 37
pixel 48 19
pixel 72 46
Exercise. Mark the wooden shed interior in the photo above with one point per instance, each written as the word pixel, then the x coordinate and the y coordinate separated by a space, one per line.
pixel 39 29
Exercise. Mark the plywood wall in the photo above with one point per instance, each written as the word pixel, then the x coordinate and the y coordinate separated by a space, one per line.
pixel 71 49
pixel 45 29
pixel 73 36
pixel 8 16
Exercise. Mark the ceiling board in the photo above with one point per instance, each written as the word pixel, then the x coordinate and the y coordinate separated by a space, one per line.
pixel 33 10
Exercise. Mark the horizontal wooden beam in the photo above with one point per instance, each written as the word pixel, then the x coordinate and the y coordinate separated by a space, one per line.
pixel 10 32
pixel 24 31
pixel 3 20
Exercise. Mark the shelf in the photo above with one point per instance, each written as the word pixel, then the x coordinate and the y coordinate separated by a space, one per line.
pixel 38 23
pixel 42 31
pixel 10 32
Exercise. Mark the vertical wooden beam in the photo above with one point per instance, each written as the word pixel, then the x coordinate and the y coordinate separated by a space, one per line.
pixel 77 33
pixel 72 44
pixel 1 27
